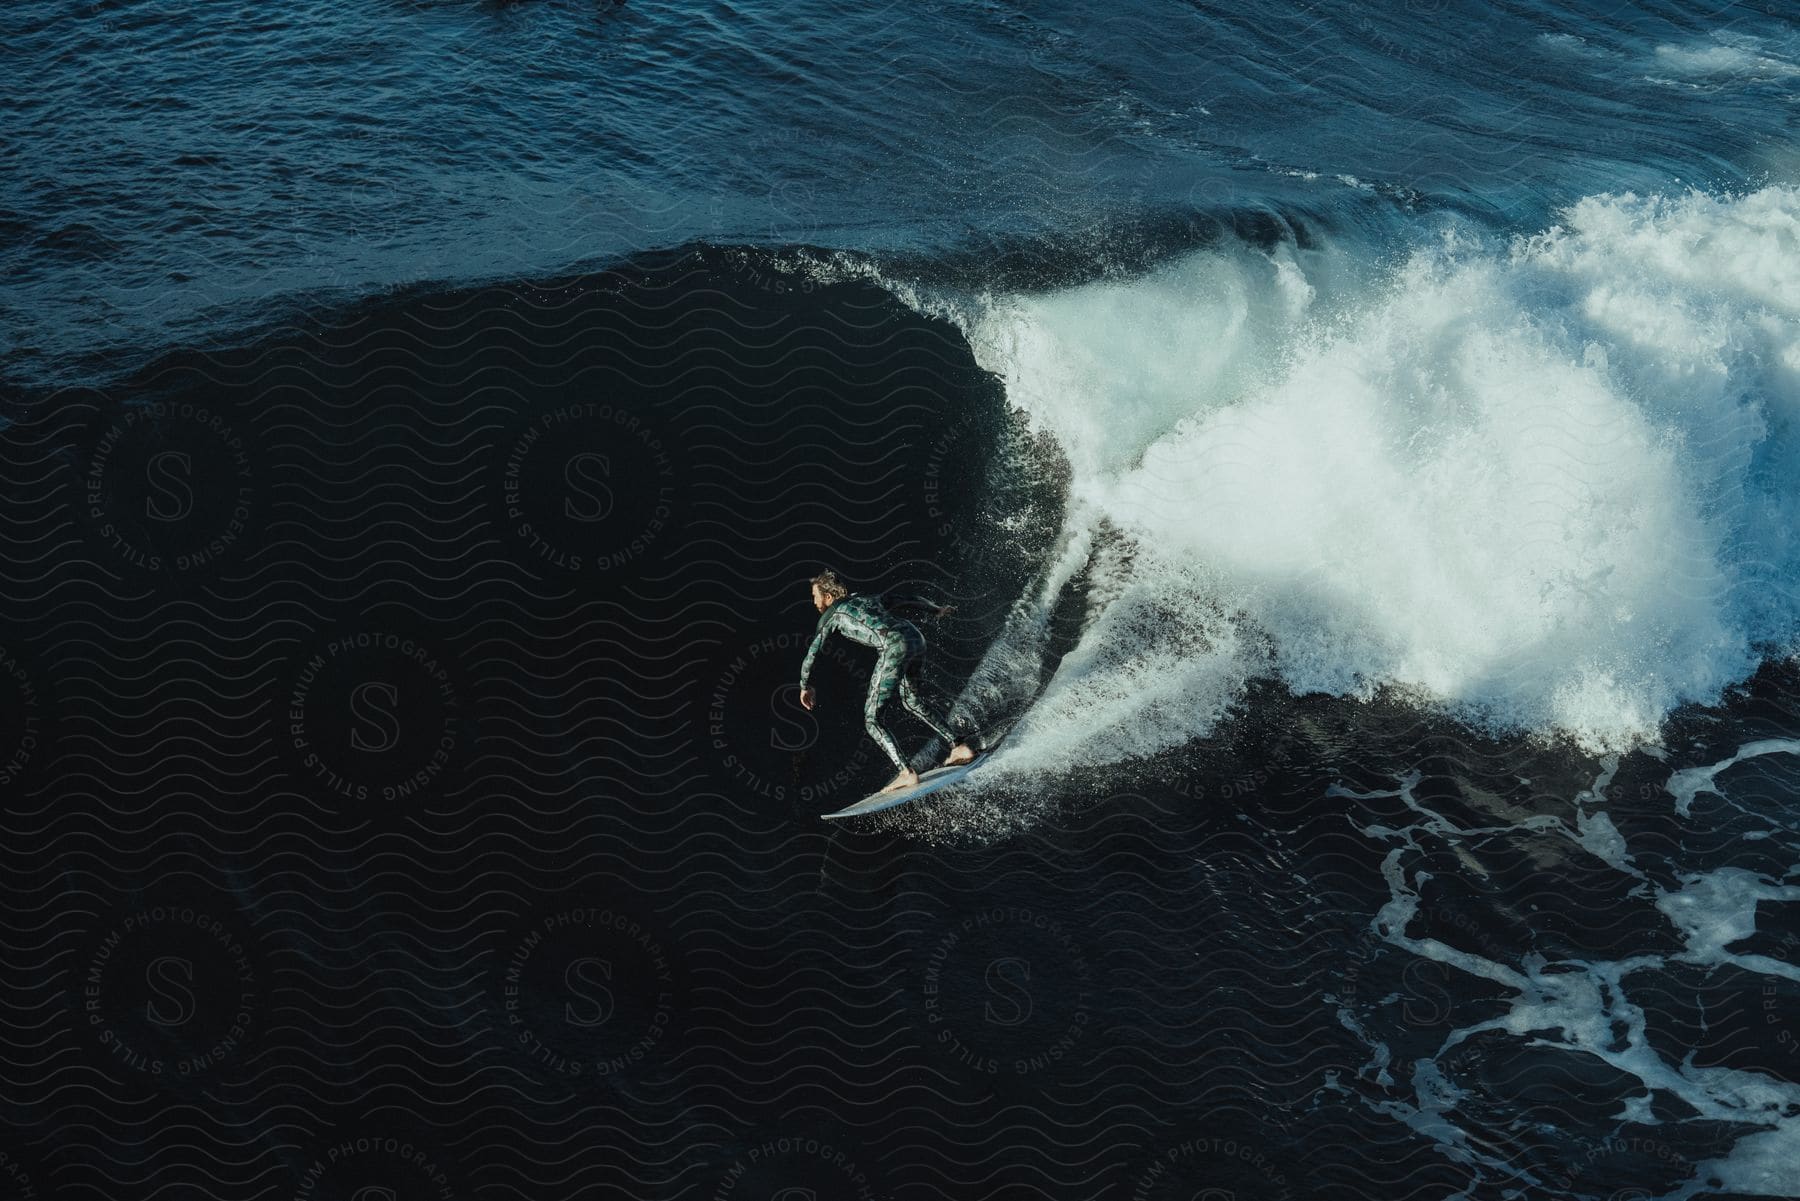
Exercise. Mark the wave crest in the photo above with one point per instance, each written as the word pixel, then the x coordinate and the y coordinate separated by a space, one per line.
pixel 1546 484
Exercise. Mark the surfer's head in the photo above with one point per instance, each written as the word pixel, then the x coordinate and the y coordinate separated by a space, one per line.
pixel 827 589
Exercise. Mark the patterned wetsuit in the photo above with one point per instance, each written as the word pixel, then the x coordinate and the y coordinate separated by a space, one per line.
pixel 870 621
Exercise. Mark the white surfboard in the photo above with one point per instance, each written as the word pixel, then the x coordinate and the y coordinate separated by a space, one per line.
pixel 929 782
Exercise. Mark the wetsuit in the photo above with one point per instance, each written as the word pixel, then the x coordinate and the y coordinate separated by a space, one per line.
pixel 869 620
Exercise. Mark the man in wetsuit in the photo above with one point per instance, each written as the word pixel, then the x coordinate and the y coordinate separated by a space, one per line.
pixel 869 619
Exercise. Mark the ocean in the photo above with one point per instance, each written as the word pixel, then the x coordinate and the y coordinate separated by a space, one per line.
pixel 1358 444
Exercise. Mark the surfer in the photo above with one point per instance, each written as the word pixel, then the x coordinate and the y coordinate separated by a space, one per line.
pixel 869 619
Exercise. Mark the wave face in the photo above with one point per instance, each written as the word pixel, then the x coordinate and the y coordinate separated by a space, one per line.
pixel 1546 483
pixel 401 715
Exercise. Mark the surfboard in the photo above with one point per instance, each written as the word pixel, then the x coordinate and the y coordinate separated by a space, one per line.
pixel 929 782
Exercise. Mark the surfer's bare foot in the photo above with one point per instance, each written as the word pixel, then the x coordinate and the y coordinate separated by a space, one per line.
pixel 960 753
pixel 905 780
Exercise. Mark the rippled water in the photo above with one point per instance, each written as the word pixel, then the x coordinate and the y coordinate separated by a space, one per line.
pixel 179 175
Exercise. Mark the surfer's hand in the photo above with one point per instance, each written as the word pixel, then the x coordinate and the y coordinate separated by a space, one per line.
pixel 946 610
pixel 806 698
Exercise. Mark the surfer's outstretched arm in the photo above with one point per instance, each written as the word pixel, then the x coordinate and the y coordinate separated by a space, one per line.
pixel 826 623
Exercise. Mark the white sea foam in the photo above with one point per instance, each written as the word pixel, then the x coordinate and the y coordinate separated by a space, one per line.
pixel 1547 485
pixel 1684 785
pixel 1593 1008
pixel 1725 54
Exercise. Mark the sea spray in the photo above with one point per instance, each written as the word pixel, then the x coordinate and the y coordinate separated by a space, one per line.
pixel 1547 484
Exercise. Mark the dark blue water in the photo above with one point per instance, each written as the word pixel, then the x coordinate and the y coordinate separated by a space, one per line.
pixel 173 174
pixel 1359 445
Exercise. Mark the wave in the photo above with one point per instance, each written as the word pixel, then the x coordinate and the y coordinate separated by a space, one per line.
pixel 1544 483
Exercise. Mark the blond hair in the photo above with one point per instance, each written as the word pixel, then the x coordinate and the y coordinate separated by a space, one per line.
pixel 829 583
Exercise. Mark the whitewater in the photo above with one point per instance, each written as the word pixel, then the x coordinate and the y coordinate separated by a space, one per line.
pixel 1543 482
